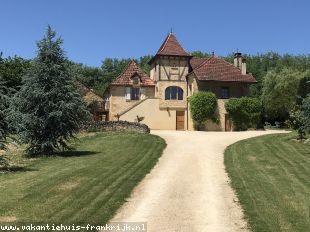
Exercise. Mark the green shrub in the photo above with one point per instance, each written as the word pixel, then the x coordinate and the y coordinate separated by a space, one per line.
pixel 203 106
pixel 244 112
pixel 297 121
pixel 279 92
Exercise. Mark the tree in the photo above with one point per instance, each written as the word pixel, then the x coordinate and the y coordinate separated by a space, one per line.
pixel 143 63
pixel 297 121
pixel 260 64
pixel 203 106
pixel 200 54
pixel 12 70
pixel 4 130
pixel 306 111
pixel 47 109
pixel 245 112
pixel 279 92
pixel 303 89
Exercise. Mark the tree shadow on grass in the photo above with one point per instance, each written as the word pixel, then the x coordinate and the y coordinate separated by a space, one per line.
pixel 15 168
pixel 73 153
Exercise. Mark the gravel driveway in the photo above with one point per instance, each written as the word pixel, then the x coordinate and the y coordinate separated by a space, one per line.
pixel 188 190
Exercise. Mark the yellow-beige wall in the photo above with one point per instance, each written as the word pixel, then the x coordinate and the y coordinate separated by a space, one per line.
pixel 169 68
pixel 170 71
pixel 209 125
pixel 118 102
pixel 154 117
pixel 176 104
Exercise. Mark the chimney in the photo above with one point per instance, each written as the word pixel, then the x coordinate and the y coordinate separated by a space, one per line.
pixel 243 66
pixel 240 62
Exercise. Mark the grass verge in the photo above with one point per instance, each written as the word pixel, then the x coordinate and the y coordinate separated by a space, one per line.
pixel 271 176
pixel 79 187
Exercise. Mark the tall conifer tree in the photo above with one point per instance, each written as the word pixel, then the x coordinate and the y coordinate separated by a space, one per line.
pixel 48 110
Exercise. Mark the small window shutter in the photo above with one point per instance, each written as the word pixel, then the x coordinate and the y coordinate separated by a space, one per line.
pixel 142 93
pixel 127 94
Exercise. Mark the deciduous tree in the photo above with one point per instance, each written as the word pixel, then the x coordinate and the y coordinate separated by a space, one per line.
pixel 279 92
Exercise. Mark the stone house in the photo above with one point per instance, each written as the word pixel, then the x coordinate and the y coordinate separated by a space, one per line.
pixel 162 97
pixel 98 106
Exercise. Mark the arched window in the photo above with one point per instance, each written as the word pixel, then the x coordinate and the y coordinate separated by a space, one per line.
pixel 173 93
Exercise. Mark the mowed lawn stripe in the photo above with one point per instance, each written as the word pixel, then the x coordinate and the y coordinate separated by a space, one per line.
pixel 117 181
pixel 269 175
pixel 93 189
pixel 81 189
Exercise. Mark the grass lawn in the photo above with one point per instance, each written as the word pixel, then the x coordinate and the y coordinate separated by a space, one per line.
pixel 271 176
pixel 83 186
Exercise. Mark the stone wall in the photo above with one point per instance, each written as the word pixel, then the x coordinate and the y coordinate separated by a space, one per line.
pixel 116 126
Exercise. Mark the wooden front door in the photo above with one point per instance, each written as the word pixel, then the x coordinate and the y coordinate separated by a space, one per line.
pixel 227 123
pixel 180 120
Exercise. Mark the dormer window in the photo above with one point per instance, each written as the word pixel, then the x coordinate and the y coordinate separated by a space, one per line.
pixel 136 80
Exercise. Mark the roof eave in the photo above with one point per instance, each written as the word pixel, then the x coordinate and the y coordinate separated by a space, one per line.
pixel 232 81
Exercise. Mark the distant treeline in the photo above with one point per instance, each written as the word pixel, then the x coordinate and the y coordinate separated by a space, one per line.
pixel 98 78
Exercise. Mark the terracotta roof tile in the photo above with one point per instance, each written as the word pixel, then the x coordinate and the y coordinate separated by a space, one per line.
pixel 171 46
pixel 196 61
pixel 216 69
pixel 130 71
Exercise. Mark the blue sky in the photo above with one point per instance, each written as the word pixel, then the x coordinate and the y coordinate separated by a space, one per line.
pixel 95 29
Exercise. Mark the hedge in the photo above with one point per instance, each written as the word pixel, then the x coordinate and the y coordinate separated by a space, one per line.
pixel 245 112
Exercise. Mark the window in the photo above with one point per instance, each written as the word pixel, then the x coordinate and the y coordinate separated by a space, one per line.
pixel 173 93
pixel 224 92
pixel 135 94
pixel 136 80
